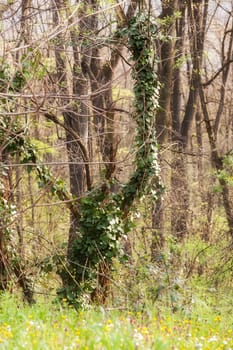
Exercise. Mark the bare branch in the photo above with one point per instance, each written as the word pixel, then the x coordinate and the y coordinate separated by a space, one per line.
pixel 207 83
pixel 85 156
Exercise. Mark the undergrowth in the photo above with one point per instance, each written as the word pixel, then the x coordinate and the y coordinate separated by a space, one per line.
pixel 46 325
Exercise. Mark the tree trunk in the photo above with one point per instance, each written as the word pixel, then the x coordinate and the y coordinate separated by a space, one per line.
pixel 4 223
pixel 75 113
pixel 226 57
pixel 197 13
pixel 87 73
pixel 218 163
pixel 163 116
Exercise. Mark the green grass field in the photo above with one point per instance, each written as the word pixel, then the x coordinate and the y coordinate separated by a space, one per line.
pixel 52 326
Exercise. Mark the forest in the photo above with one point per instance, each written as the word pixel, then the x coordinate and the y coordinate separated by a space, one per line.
pixel 116 174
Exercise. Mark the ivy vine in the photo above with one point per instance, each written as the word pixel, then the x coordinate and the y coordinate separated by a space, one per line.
pixel 104 216
pixel 15 141
pixel 141 36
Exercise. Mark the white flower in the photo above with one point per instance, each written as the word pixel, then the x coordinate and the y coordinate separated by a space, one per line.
pixel 212 339
pixel 198 346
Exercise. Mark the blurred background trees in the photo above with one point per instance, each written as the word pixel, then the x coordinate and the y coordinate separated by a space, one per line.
pixel 66 129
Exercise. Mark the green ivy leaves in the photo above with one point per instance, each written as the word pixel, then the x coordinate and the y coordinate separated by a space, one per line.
pixel 141 35
pixel 104 216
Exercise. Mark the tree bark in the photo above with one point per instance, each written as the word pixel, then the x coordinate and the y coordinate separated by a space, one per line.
pixel 218 163
pixel 76 114
pixel 197 14
pixel 163 115
pixel 87 73
pixel 4 202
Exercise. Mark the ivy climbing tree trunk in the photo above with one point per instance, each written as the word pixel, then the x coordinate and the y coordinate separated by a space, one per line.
pixel 105 216
pixel 11 261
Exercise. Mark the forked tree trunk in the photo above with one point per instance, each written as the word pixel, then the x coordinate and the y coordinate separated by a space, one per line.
pixel 87 73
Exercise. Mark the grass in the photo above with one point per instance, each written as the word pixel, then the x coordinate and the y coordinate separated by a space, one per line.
pixel 50 326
